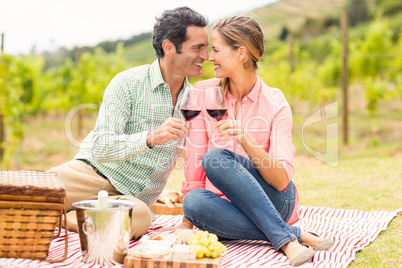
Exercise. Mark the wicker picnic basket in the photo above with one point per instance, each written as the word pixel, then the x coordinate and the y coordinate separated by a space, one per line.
pixel 31 205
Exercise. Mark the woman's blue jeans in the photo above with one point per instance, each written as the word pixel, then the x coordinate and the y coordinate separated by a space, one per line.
pixel 256 210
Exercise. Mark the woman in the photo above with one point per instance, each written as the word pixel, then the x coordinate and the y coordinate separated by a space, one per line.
pixel 239 170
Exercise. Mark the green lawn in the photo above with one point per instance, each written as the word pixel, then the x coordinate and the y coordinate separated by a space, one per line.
pixel 366 183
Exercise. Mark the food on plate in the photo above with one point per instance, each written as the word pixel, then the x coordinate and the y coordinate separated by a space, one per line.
pixel 182 252
pixel 170 197
pixel 165 238
pixel 166 245
pixel 151 249
pixel 206 245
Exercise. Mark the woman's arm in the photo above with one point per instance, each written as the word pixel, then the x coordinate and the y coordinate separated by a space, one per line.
pixel 276 165
pixel 270 168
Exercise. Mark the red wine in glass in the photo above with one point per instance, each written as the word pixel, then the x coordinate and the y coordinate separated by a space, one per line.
pixel 190 114
pixel 216 103
pixel 217 114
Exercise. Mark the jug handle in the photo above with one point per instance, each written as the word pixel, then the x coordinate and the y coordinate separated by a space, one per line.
pixel 88 227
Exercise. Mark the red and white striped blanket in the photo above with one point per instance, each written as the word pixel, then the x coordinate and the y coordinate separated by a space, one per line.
pixel 350 229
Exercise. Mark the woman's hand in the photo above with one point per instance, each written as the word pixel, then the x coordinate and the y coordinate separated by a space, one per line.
pixel 232 130
pixel 270 168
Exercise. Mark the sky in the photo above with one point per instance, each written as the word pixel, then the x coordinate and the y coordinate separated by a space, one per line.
pixel 49 24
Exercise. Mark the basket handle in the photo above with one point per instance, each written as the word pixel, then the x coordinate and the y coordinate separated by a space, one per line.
pixel 59 229
pixel 65 239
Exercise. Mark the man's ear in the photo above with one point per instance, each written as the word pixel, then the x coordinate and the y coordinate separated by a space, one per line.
pixel 168 47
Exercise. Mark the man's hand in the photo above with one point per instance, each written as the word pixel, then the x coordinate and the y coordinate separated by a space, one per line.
pixel 185 231
pixel 171 129
pixel 184 235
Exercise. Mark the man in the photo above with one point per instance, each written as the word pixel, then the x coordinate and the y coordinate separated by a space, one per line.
pixel 131 151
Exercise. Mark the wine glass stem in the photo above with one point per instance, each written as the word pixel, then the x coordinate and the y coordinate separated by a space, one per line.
pixel 182 144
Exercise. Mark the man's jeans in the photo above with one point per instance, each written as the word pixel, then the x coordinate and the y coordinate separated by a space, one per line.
pixel 255 211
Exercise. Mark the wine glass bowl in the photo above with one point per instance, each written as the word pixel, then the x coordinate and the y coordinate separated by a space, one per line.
pixel 191 103
pixel 190 107
pixel 190 114
pixel 216 103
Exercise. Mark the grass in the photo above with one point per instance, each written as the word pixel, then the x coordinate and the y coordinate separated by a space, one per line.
pixel 368 175
pixel 365 183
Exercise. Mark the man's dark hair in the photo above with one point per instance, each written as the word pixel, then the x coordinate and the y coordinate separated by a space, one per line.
pixel 172 25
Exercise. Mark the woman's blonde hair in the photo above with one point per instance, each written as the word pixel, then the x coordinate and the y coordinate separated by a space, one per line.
pixel 240 31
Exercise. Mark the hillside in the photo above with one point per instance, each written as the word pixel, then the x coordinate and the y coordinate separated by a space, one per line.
pixel 292 14
pixel 305 18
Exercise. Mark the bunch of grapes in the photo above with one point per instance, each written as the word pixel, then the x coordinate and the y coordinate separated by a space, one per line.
pixel 206 245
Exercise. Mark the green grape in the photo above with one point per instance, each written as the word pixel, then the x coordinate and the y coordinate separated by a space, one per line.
pixel 205 250
pixel 195 241
pixel 213 237
pixel 205 243
pixel 199 254
pixel 199 234
pixel 215 254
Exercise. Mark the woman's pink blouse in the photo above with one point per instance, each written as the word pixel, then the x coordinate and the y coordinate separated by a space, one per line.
pixel 264 114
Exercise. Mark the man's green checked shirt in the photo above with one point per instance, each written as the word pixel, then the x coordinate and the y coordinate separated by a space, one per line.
pixel 135 102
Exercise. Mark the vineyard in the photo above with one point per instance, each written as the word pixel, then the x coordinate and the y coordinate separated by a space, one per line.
pixel 29 88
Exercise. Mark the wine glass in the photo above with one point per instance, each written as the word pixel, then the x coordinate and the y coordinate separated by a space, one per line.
pixel 216 103
pixel 216 106
pixel 190 106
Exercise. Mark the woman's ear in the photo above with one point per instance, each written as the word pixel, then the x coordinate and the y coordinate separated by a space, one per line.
pixel 168 47
pixel 242 53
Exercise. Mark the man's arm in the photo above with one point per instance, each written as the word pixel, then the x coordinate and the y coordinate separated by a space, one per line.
pixel 171 129
pixel 110 141
pixel 186 224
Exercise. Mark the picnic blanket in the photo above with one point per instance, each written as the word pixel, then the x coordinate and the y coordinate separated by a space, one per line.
pixel 350 229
